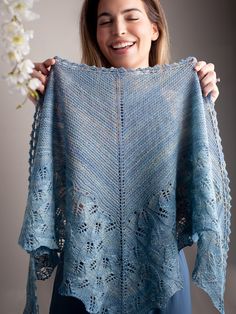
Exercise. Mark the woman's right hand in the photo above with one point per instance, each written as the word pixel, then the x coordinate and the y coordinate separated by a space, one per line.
pixel 41 71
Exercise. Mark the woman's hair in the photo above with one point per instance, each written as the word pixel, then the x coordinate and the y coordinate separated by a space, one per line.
pixel 91 53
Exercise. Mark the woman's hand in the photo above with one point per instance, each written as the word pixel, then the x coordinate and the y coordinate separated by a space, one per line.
pixel 41 71
pixel 207 76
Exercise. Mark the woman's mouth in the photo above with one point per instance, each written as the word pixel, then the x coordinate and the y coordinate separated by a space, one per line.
pixel 121 48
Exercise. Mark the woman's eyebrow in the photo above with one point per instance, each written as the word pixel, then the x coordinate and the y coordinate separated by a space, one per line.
pixel 124 11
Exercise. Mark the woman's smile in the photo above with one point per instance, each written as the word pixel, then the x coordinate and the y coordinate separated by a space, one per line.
pixel 122 47
pixel 125 33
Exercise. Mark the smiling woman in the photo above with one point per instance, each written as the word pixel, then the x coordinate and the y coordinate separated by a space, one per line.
pixel 125 35
pixel 130 34
pixel 142 22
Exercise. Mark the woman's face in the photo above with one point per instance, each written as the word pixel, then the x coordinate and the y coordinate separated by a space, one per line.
pixel 125 33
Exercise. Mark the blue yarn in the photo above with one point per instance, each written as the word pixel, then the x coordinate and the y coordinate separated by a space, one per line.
pixel 126 169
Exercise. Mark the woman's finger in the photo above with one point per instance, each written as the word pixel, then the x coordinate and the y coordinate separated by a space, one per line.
pixel 209 78
pixel 211 88
pixel 41 71
pixel 215 94
pixel 203 69
pixel 199 65
pixel 39 76
pixel 49 62
pixel 41 67
pixel 34 101
pixel 45 66
pixel 42 78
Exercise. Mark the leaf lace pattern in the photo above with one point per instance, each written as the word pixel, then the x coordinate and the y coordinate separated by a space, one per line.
pixel 126 169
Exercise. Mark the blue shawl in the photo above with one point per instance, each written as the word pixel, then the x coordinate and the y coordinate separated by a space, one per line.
pixel 126 168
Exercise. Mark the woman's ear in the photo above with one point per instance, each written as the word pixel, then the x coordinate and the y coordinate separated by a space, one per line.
pixel 155 32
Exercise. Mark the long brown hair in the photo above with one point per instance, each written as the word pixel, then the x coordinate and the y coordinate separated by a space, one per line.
pixel 91 53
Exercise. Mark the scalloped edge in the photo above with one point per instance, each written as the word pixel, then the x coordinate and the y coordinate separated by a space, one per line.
pixel 225 178
pixel 188 61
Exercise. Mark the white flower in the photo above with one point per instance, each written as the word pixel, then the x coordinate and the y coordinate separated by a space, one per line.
pixel 16 42
pixel 20 9
pixel 19 41
pixel 18 77
pixel 34 83
pixel 11 79
pixel 12 56
pixel 4 10
pixel 25 67
pixel 22 88
pixel 11 27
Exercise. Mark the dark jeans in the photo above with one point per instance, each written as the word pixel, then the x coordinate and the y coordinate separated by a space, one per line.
pixel 69 305
pixel 64 304
pixel 179 303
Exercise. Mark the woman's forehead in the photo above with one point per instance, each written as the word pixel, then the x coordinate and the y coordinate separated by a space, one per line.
pixel 121 6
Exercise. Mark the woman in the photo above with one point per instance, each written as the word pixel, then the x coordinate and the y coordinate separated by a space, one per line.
pixel 130 34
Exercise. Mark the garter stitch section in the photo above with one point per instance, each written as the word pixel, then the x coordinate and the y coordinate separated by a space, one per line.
pixel 126 168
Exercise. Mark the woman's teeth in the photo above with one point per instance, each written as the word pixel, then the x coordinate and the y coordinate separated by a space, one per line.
pixel 122 45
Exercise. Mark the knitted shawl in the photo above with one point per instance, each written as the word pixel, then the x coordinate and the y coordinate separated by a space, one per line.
pixel 126 168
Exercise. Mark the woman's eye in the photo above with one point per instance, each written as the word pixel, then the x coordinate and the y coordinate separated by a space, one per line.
pixel 104 22
pixel 132 18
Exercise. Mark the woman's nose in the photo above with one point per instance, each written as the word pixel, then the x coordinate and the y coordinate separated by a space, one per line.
pixel 119 28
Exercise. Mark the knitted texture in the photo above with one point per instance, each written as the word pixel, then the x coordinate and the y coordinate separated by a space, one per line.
pixel 126 168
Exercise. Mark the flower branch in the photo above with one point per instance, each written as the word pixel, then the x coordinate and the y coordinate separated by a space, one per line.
pixel 16 42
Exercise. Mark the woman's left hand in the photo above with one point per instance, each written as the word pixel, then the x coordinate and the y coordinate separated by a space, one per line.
pixel 207 76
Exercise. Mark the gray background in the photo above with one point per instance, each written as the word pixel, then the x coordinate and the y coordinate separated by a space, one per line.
pixel 203 28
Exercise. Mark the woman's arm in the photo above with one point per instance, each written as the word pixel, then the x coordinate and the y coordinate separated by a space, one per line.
pixel 207 76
